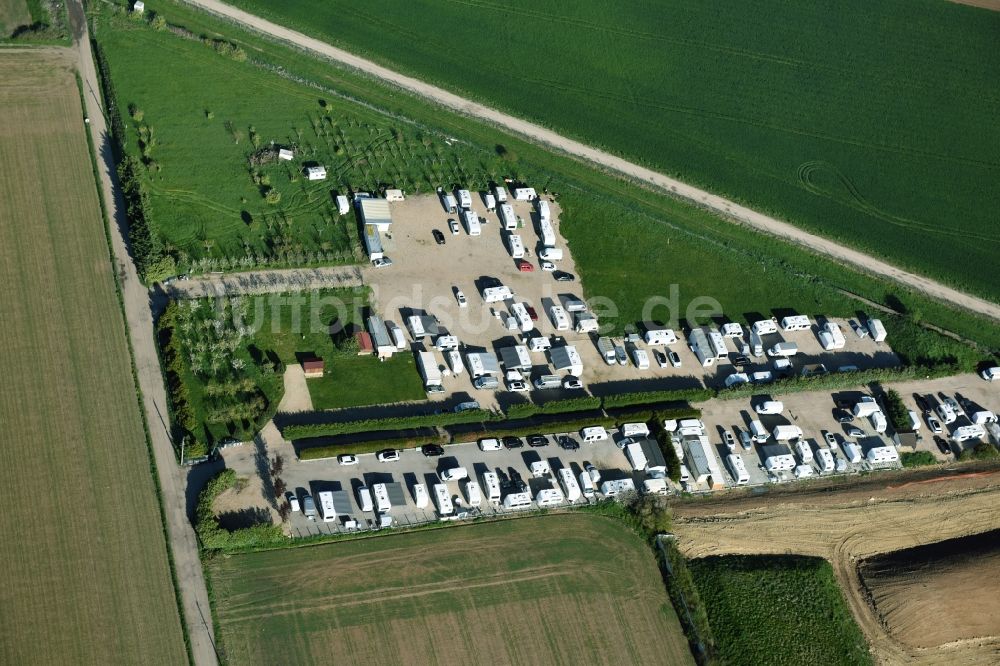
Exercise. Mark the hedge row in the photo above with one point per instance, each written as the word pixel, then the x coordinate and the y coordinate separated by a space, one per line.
pixel 526 410
pixel 306 430
pixel 214 537
pixel 836 380
pixel 665 441
pixel 657 397
pixel 899 415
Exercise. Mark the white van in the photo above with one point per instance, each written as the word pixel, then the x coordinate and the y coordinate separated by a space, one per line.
pixel 548 382
pixel 635 430
pixel 769 407
pixel 587 485
pixel 640 358
pixel 593 434
pixel 454 474
pixel 551 254
pixel 757 432
pixel 473 494
pixel 490 444
pixel 364 498
pixel 491 487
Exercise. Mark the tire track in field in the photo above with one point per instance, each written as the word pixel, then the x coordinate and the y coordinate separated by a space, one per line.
pixel 856 200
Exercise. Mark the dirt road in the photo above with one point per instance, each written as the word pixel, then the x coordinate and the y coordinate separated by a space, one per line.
pixel 183 544
pixel 847 526
pixel 724 207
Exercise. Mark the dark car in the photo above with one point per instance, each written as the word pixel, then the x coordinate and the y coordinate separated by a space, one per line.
pixel 513 442
pixel 844 417
pixel 430 450
pixel 741 361
pixel 568 443
pixel 921 401
pixel 537 441
pixel 942 445
pixel 438 237
pixel 563 276
pixel 531 312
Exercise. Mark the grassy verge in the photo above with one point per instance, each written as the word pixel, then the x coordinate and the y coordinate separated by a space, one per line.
pixel 917 458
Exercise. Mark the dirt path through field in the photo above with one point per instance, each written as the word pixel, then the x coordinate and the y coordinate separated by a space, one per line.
pixel 136 303
pixel 724 207
pixel 847 526
pixel 993 5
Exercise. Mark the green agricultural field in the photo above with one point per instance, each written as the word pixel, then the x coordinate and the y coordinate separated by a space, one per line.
pixel 680 245
pixel 778 610
pixel 86 575
pixel 206 123
pixel 871 123
pixel 13 14
pixel 225 359
pixel 568 589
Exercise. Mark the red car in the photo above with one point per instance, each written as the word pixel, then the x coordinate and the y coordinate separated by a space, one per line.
pixel 531 312
pixel 524 266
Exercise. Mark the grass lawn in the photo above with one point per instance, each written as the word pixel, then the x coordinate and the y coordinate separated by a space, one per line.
pixel 562 589
pixel 352 381
pixel 13 14
pixel 777 610
pixel 86 576
pixel 859 135
pixel 207 122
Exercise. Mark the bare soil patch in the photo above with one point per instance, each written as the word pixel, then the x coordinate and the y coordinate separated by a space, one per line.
pixel 935 594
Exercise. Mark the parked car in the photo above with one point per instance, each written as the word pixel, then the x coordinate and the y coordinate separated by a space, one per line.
pixel 463 302
pixel 347 459
pixel 955 407
pixel 859 330
pixel 453 227
pixel 524 266
pixel 568 443
pixel 855 432
pixel 933 423
pixel 547 266
pixel 293 502
pixel 740 361
pixel 532 315
pixel 438 237
pixel 537 441
pixel 730 441
pixel 517 385
pixel 387 455
pixel 660 358
pixel 620 356
pixel 991 374
pixel 563 276
pixel 921 401
pixel 831 439
pixel 674 358
pixel 513 442
pixel 844 416
pixel 942 445
pixel 384 262
pixel 572 383
pixel 432 450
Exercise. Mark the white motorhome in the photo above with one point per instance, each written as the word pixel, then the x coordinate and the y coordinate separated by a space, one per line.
pixel 865 406
pixel 465 199
pixel 877 330
pixel 473 494
pixel 738 469
pixel 769 407
pixel 882 455
pixel 796 323
pixel 471 220
pixel 560 318
pixel 571 489
pixel 757 432
pixel 718 344
pixel 442 500
pixel 381 494
pixel 326 509
pixel 420 496
pixel 616 487
pixel 547 233
pixel 501 192
pixel 732 330
pixel 543 210
pixel 783 349
pixel 520 312
pixel 784 433
pixel 587 485
pixel 508 217
pixel 593 434
pixel 852 451
pixel 491 487
pixel 365 499
pixel 516 246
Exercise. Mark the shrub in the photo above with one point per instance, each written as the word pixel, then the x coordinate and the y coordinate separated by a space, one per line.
pixel 917 458
pixel 897 413
pixel 401 442
pixel 981 451
pixel 529 409
pixel 656 397
pixel 214 537
pixel 303 431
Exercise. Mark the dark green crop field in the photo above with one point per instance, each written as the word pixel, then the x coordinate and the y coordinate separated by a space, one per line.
pixel 873 123
pixel 778 610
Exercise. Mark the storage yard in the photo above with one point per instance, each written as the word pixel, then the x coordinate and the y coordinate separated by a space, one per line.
pixel 537 591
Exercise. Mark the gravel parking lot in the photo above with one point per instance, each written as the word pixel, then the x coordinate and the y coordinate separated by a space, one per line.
pixel 425 275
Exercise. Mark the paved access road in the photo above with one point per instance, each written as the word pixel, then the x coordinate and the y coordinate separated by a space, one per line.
pixel 172 478
pixel 726 208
